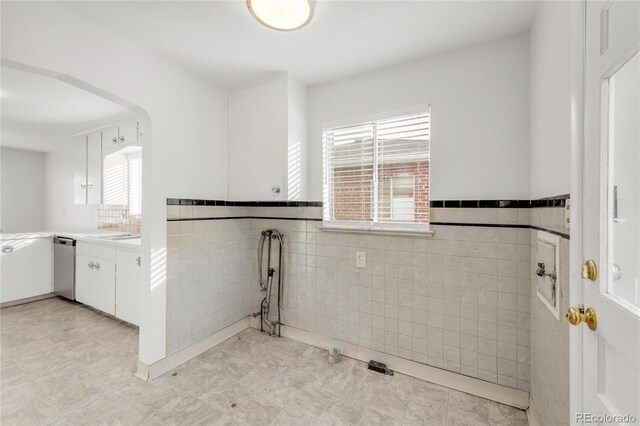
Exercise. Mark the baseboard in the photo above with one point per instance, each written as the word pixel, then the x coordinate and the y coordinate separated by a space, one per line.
pixel 26 300
pixel 157 369
pixel 532 414
pixel 254 322
pixel 492 391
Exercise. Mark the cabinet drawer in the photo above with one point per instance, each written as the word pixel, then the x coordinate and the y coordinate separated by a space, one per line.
pixel 95 250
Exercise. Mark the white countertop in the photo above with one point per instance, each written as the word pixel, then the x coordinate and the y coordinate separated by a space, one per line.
pixel 131 242
pixel 24 235
pixel 93 236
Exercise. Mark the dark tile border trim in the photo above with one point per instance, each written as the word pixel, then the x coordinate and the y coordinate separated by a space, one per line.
pixel 556 201
pixel 241 217
pixel 222 203
pixel 492 225
pixel 551 231
pixel 502 225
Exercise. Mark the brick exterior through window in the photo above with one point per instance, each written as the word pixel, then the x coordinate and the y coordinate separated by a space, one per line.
pixel 352 200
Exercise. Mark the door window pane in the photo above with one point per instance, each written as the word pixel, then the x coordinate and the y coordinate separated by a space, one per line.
pixel 623 263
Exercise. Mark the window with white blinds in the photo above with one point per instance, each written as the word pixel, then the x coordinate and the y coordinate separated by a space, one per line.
pixel 135 184
pixel 377 173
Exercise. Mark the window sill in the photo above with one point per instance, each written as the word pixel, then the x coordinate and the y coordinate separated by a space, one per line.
pixel 413 232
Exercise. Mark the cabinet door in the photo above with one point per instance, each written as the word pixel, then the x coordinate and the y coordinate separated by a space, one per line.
pixel 128 134
pixel 94 168
pixel 95 282
pixel 84 279
pixel 128 278
pixel 110 142
pixel 80 170
pixel 25 268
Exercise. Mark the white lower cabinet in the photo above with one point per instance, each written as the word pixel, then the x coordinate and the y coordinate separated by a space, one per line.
pixel 96 277
pixel 128 279
pixel 108 279
pixel 25 268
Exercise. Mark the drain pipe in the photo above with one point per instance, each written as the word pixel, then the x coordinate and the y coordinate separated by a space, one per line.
pixel 280 298
pixel 266 302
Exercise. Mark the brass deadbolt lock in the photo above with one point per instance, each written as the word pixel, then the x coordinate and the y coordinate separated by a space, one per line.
pixel 590 270
pixel 577 315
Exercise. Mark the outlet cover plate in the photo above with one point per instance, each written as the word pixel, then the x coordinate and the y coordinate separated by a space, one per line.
pixel 361 259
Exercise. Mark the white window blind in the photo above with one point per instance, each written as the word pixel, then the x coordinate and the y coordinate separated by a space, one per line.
pixel 116 179
pixel 135 184
pixel 378 172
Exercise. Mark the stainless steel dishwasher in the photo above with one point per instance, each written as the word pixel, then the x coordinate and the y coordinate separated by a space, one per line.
pixel 64 267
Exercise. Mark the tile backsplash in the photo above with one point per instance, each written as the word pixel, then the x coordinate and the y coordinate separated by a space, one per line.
pixel 116 218
pixel 458 300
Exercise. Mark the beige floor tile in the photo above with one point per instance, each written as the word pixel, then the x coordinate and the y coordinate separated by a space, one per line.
pixel 62 362
pixel 108 410
pixel 183 410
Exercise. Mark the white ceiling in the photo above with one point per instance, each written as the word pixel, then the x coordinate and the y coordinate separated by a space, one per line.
pixel 221 41
pixel 42 113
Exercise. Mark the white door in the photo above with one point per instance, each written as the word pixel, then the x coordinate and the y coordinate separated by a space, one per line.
pixel 128 134
pixel 128 278
pixel 611 211
pixel 110 142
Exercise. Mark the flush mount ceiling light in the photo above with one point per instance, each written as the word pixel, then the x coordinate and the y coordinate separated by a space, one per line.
pixel 282 15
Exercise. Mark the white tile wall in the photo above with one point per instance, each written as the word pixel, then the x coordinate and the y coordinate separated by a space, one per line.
pixel 207 278
pixel 460 300
pixel 550 336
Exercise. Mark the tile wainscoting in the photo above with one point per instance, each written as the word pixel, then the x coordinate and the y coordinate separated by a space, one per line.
pixel 550 336
pixel 458 300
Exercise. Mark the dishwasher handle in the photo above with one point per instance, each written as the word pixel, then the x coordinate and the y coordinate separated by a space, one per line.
pixel 64 241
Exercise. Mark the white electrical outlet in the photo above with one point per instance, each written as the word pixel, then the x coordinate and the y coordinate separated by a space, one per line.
pixel 361 259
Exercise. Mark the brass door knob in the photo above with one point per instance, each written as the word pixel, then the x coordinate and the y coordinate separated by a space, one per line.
pixel 590 270
pixel 577 315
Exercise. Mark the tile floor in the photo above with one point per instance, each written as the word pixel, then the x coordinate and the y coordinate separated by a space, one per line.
pixel 65 364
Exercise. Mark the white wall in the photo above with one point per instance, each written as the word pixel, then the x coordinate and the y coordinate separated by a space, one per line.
pixel 551 100
pixel 551 93
pixel 298 128
pixel 258 140
pixel 184 126
pixel 479 100
pixel 22 190
pixel 62 214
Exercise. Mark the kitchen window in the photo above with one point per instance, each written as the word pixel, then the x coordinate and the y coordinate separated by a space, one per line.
pixel 123 179
pixel 376 174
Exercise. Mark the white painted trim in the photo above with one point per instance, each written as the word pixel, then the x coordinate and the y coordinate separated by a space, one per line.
pixel 377 230
pixel 578 35
pixel 494 392
pixel 157 369
pixel 532 414
pixel 553 240
pixel 491 391
pixel 26 300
